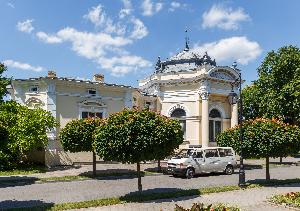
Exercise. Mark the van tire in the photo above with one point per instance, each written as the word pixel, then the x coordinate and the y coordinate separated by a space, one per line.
pixel 229 170
pixel 190 173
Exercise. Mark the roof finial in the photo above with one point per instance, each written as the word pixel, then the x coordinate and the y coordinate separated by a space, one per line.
pixel 186 41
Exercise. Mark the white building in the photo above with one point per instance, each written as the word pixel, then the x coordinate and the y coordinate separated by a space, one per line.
pixel 187 86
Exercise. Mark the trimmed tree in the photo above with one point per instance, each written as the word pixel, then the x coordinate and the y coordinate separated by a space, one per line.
pixel 26 129
pixel 263 138
pixel 77 136
pixel 132 136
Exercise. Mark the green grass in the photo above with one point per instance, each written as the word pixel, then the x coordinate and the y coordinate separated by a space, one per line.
pixel 30 180
pixel 24 170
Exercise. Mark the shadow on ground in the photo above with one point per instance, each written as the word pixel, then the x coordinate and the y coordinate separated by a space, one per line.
pixel 25 205
pixel 158 195
pixel 276 182
pixel 111 174
pixel 12 181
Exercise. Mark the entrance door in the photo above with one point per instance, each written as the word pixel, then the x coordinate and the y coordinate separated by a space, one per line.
pixel 215 126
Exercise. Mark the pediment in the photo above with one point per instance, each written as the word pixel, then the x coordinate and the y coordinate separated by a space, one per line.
pixel 224 74
pixel 34 102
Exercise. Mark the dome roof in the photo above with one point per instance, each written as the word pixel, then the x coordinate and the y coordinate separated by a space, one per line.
pixel 185 60
pixel 185 54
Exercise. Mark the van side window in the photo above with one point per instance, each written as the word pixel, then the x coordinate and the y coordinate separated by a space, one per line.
pixel 228 152
pixel 211 153
pixel 199 154
pixel 222 152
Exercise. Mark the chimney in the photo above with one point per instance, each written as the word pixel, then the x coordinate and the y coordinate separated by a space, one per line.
pixel 51 74
pixel 98 78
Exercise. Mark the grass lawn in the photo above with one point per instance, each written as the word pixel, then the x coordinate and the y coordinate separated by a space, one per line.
pixel 24 170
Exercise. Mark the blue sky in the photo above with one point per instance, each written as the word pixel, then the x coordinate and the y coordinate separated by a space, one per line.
pixel 123 38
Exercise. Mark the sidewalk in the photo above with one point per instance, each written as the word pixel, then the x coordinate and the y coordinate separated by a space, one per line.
pixel 249 200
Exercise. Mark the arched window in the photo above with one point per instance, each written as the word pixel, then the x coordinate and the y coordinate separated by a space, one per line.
pixel 214 124
pixel 180 114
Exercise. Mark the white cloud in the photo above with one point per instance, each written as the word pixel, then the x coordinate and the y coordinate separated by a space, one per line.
pixel 48 38
pixel 100 19
pixel 174 5
pixel 127 10
pixel 122 65
pixel 139 29
pixel 96 15
pixel 107 47
pixel 149 8
pixel 238 49
pixel 25 26
pixel 23 66
pixel 223 18
pixel 11 5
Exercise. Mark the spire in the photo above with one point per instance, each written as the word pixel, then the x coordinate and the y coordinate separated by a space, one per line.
pixel 187 47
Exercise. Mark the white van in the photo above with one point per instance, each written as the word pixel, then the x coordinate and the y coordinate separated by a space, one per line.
pixel 191 161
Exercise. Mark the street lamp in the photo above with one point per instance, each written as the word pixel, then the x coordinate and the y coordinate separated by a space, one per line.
pixel 232 97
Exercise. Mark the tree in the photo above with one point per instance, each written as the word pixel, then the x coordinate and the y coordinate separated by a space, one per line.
pixel 3 82
pixel 77 136
pixel 26 129
pixel 276 93
pixel 263 138
pixel 132 136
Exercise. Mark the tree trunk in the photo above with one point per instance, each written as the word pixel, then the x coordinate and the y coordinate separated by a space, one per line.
pixel 94 164
pixel 267 168
pixel 138 168
pixel 280 160
pixel 158 166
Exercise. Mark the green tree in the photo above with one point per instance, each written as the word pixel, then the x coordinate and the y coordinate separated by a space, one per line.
pixel 132 136
pixel 3 82
pixel 77 136
pixel 263 138
pixel 27 128
pixel 276 92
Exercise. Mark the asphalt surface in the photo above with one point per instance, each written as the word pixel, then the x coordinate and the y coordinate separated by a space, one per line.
pixel 22 195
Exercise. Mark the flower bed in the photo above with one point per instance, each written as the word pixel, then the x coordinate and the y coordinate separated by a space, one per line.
pixel 202 207
pixel 291 199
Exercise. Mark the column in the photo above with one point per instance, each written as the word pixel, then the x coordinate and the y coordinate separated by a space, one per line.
pixel 204 119
pixel 197 121
pixel 234 115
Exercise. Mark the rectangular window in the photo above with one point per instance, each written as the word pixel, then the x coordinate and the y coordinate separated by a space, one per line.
pixel 211 130
pixel 147 104
pixel 209 153
pixel 86 114
pixel 34 88
pixel 92 92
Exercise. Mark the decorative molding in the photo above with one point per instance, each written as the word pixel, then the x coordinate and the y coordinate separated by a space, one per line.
pixel 221 74
pixel 204 95
pixel 178 105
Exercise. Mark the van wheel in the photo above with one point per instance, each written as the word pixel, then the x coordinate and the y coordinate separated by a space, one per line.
pixel 229 170
pixel 190 173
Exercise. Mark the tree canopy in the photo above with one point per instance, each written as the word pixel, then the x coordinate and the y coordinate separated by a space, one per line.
pixel 26 129
pixel 77 135
pixel 276 92
pixel 3 82
pixel 263 138
pixel 132 136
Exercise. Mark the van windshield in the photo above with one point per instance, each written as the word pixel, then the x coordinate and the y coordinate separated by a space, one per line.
pixel 185 153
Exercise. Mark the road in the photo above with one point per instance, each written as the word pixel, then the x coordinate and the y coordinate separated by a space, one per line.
pixel 59 192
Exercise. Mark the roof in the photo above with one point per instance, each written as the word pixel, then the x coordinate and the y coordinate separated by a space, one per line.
pixel 186 60
pixel 76 81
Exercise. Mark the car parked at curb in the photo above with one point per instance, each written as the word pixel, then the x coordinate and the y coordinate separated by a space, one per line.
pixel 196 160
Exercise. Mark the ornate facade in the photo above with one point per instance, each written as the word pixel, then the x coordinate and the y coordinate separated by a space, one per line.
pixel 194 90
pixel 188 87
